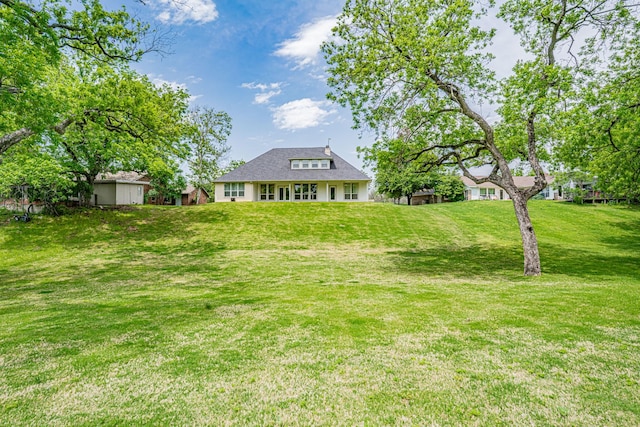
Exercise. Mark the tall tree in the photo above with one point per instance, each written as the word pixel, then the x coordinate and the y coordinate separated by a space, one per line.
pixel 35 37
pixel 208 145
pixel 422 67
pixel 122 122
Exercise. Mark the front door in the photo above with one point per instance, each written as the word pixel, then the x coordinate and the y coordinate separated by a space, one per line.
pixel 283 193
pixel 332 193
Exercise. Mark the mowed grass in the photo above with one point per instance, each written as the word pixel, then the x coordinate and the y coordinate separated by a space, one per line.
pixel 320 314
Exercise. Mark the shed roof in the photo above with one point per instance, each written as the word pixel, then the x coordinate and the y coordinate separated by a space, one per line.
pixel 121 177
pixel 275 165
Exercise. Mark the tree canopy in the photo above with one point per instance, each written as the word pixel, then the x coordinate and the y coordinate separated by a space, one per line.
pixel 69 97
pixel 35 39
pixel 207 140
pixel 419 70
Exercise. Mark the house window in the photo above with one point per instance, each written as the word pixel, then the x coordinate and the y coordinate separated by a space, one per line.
pixel 267 191
pixel 545 193
pixel 311 164
pixel 305 191
pixel 351 191
pixel 234 189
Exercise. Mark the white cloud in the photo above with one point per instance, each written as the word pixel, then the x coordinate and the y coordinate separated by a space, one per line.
pixel 266 91
pixel 180 11
pixel 265 97
pixel 194 79
pixel 301 114
pixel 194 98
pixel 304 47
pixel 159 81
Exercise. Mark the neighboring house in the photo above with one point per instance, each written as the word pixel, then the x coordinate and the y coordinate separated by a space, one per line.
pixel 294 174
pixel 490 191
pixel 426 196
pixel 190 194
pixel 122 188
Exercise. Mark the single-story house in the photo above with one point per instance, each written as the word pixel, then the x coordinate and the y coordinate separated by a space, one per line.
pixel 491 191
pixel 292 175
pixel 190 194
pixel 123 188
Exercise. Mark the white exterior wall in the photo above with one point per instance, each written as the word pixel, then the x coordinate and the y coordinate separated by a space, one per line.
pixel 475 194
pixel 248 193
pixel 129 194
pixel 118 193
pixel 252 191
pixel 106 194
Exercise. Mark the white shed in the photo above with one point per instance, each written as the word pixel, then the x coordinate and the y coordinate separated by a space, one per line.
pixel 117 192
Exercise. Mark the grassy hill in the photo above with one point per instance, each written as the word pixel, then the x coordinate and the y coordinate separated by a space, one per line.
pixel 320 314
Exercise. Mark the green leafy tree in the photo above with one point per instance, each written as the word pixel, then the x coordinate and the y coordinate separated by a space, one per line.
pixel 421 68
pixel 233 164
pixel 602 133
pixel 207 142
pixel 167 181
pixel 46 180
pixel 36 37
pixel 449 187
pixel 123 123
pixel 396 175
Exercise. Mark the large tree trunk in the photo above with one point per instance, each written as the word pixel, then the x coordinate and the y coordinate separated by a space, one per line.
pixel 529 240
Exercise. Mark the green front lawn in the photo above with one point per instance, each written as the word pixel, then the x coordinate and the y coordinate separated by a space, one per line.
pixel 320 314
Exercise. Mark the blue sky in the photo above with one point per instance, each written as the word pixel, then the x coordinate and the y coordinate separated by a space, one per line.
pixel 260 62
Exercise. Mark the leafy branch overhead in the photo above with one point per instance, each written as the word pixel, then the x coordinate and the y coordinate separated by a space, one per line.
pixel 38 40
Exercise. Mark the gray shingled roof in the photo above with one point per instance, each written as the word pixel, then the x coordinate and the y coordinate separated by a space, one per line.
pixel 274 165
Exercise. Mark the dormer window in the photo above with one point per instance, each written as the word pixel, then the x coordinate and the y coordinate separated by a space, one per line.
pixel 311 164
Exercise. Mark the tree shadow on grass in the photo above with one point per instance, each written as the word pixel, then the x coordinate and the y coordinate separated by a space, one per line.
pixel 500 263
pixel 90 227
pixel 474 262
pixel 557 259
pixel 629 241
